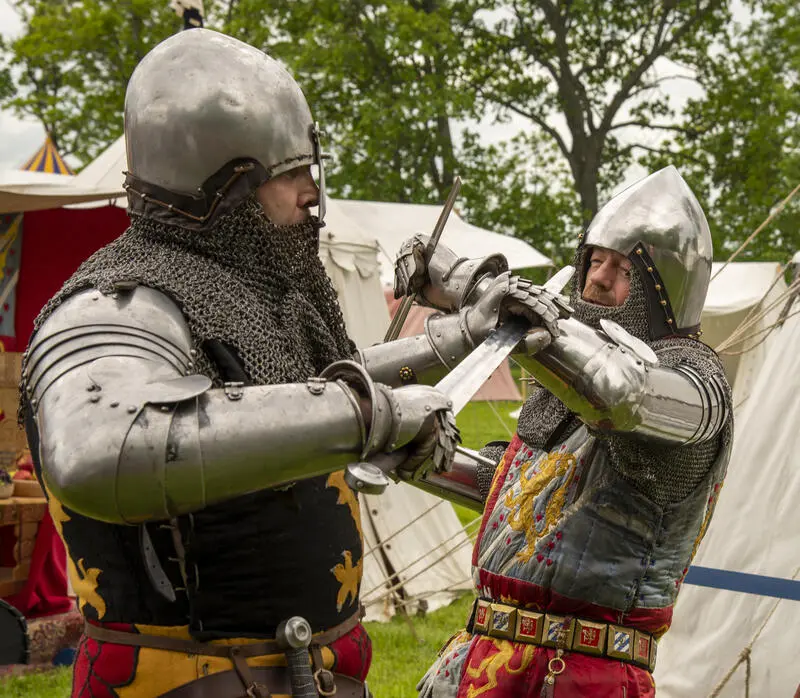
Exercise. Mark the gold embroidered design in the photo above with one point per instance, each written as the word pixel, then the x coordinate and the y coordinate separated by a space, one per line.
pixel 84 581
pixel 347 574
pixel 557 466
pixel 349 577
pixel 491 666
pixel 346 496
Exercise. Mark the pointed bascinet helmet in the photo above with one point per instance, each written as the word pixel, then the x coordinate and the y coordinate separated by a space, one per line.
pixel 208 119
pixel 658 224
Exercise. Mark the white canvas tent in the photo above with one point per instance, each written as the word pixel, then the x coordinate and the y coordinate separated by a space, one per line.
pixel 757 518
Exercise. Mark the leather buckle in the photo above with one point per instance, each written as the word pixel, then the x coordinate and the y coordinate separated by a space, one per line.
pixel 326 684
pixel 589 637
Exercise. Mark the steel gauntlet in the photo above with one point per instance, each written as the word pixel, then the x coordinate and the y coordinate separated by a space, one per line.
pixel 445 281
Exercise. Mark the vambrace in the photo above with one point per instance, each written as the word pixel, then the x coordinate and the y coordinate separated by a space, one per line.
pixel 127 433
pixel 614 382
pixel 425 358
pixel 470 478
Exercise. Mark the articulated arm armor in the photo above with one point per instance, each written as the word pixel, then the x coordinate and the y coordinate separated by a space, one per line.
pixel 129 433
pixel 477 293
pixel 613 381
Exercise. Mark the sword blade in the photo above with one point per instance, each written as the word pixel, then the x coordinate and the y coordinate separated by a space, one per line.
pixel 461 384
pixel 466 379
pixel 402 311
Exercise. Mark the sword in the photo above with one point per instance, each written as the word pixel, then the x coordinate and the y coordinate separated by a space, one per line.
pixel 461 384
pixel 400 316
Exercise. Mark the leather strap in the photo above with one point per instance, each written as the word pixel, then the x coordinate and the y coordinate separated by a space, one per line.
pixel 174 644
pixel 272 680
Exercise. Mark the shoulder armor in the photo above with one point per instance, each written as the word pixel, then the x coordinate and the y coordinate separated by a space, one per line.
pixel 141 322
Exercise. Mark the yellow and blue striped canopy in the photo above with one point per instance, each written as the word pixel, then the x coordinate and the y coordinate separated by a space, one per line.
pixel 47 159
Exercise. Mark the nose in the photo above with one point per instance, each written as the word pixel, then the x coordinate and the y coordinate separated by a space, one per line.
pixel 307 191
pixel 604 275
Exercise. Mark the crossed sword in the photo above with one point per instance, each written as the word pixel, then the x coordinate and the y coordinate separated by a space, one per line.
pixel 461 384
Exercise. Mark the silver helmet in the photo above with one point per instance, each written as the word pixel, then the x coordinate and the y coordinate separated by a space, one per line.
pixel 658 224
pixel 208 119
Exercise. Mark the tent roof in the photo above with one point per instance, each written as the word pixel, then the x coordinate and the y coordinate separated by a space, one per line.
pixel 739 286
pixel 47 159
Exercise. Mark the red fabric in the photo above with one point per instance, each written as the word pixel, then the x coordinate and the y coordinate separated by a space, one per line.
pixel 100 666
pixel 511 670
pixel 45 590
pixel 54 243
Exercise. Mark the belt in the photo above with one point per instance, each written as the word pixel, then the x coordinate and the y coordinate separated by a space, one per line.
pixel 238 654
pixel 570 633
pixel 271 680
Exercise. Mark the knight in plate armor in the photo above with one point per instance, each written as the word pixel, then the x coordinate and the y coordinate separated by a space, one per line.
pixel 191 396
pixel 595 509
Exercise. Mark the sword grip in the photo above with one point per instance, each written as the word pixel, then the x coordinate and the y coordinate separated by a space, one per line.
pixel 294 637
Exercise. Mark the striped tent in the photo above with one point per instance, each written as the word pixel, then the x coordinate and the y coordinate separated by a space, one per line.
pixel 47 159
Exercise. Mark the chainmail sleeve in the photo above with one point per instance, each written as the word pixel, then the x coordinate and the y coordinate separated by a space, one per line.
pixel 667 474
pixel 484 475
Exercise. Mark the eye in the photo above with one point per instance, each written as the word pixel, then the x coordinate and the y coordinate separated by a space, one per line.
pixel 627 273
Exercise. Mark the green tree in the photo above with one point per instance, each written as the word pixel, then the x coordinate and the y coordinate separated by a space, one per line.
pixel 72 63
pixel 745 158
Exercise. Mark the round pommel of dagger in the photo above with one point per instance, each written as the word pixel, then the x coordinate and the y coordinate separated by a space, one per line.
pixel 294 633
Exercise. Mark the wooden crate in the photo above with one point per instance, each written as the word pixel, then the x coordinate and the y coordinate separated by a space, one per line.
pixel 19 523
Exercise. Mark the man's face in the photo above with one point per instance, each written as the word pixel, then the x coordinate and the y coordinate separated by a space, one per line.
pixel 287 198
pixel 608 278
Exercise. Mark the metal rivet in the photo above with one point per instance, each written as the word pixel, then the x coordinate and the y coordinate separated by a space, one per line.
pixel 165 408
pixel 639 251
pixel 95 298
pixel 114 404
pixel 669 320
pixel 132 409
pixel 449 403
pixel 90 389
pixel 650 269
pixel 663 302
pixel 427 408
pixel 94 398
pixel 658 287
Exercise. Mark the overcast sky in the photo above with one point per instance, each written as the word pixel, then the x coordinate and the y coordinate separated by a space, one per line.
pixel 21 138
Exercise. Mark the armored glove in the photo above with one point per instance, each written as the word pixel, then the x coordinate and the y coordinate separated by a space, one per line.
pixel 422 425
pixel 414 421
pixel 512 295
pixel 445 281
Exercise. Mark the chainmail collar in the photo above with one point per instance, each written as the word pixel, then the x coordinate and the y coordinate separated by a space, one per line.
pixel 258 287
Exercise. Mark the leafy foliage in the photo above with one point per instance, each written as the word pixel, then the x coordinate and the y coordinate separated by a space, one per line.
pixel 72 63
pixel 399 86
pixel 745 154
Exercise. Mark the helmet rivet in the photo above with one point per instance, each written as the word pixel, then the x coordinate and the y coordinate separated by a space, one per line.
pixel 669 320
pixel 639 251
pixel 658 287
pixel 663 302
pixel 650 269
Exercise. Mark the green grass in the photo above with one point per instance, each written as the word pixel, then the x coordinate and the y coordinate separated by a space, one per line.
pixel 400 658
pixel 54 684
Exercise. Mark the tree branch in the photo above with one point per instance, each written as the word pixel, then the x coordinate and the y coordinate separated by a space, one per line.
pixel 659 48
pixel 662 127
